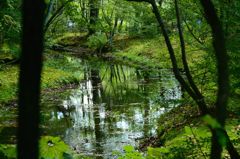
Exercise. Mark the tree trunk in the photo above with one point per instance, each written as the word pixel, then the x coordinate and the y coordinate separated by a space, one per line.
pixel 223 78
pixel 29 80
pixel 94 11
pixel 49 10
pixel 198 99
pixel 120 26
pixel 57 13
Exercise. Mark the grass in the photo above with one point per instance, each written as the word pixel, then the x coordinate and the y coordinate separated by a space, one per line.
pixel 57 71
pixel 8 83
pixel 67 39
pixel 154 53
pixel 147 52
pixel 184 130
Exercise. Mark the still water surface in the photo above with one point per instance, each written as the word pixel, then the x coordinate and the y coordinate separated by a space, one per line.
pixel 113 106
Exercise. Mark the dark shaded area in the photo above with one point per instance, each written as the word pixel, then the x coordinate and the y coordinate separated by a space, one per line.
pixel 29 80
pixel 8 135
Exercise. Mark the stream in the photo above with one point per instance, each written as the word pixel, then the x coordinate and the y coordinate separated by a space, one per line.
pixel 113 106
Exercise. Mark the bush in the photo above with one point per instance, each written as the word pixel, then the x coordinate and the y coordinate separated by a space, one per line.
pixel 97 41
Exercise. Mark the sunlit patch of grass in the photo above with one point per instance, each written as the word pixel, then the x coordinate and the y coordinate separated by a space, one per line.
pixel 67 38
pixel 149 52
pixel 154 53
pixel 56 72
pixel 51 75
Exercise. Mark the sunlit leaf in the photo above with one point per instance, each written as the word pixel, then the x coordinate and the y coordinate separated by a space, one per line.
pixel 187 130
pixel 53 148
pixel 128 148
pixel 211 121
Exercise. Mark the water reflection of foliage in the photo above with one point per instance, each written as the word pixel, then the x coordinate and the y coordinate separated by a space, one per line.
pixel 113 106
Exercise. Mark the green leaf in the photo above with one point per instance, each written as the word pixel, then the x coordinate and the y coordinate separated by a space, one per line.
pixel 128 148
pixel 53 148
pixel 8 151
pixel 221 138
pixel 158 150
pixel 187 130
pixel 211 121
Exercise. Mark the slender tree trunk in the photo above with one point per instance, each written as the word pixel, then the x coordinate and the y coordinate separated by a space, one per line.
pixel 83 9
pixel 198 99
pixel 120 26
pixel 113 31
pixel 184 58
pixel 29 80
pixel 223 80
pixel 57 13
pixel 94 11
pixel 49 10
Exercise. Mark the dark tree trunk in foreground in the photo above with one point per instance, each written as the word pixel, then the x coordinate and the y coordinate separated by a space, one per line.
pixel 29 80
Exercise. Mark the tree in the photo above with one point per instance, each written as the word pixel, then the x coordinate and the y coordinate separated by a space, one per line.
pixel 190 86
pixel 29 80
pixel 49 19
pixel 94 13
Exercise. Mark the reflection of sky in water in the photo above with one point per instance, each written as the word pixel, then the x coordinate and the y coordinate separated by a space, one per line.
pixel 122 125
pixel 104 126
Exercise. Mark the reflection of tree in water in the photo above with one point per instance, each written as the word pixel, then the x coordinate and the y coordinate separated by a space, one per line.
pixel 113 107
pixel 145 92
pixel 97 91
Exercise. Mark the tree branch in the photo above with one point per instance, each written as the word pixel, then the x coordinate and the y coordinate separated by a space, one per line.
pixel 56 14
pixel 184 59
pixel 191 32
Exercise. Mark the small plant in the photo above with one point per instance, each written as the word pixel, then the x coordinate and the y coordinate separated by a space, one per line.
pixel 129 153
pixel 50 148
pixel 97 41
pixel 53 148
pixel 7 151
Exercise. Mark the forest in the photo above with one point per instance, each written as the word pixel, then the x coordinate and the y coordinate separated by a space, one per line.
pixel 120 79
